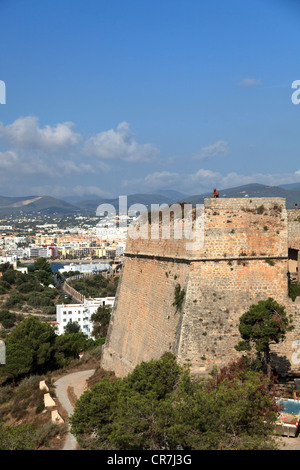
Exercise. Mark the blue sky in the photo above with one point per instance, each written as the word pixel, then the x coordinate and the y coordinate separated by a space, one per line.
pixel 111 97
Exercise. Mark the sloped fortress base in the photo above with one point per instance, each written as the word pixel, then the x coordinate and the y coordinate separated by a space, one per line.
pixel 244 259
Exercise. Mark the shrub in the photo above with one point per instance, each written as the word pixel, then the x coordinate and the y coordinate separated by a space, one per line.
pixel 40 408
pixel 17 437
pixel 45 433
pixel 271 262
pixel 6 392
pixel 260 209
pixel 7 318
pixel 294 291
pixel 2 289
pixel 179 295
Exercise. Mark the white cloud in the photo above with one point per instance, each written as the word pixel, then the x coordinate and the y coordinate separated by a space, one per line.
pixel 119 144
pixel 249 82
pixel 25 133
pixel 8 159
pixel 218 148
pixel 35 166
pixel 69 167
pixel 165 178
pixel 234 179
pixel 43 190
pixel 203 181
pixel 202 176
pixel 59 151
pixel 154 181
pixel 80 190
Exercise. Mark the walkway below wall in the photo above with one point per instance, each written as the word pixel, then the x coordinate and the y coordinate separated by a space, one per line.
pixel 68 386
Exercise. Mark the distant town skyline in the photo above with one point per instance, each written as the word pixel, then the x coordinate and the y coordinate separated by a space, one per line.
pixel 110 97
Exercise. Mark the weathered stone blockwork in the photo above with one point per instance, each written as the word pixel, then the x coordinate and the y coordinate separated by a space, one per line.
pixel 144 323
pixel 244 259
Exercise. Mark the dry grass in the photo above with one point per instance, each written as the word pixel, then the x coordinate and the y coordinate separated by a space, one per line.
pixel 24 404
pixel 98 375
pixel 72 396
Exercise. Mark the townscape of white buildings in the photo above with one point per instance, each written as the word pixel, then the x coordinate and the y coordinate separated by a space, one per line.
pixel 49 241
pixel 74 313
pixel 86 242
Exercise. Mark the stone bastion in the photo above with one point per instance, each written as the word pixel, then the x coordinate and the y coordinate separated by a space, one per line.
pixel 248 252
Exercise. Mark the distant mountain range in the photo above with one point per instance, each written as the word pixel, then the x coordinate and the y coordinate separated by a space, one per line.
pixel 33 205
pixel 292 195
pixel 293 186
pixel 14 206
pixel 145 199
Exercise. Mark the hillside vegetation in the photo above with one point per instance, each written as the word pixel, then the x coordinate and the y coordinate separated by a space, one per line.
pixel 96 286
pixel 34 352
pixel 160 406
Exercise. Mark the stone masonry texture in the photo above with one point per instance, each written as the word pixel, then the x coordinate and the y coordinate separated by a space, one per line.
pixel 244 259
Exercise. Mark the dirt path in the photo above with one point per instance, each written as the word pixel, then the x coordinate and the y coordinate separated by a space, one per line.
pixel 76 382
pixel 290 443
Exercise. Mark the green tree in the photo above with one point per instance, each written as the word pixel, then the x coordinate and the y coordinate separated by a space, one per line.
pixel 19 359
pixel 42 271
pixel 7 318
pixel 15 299
pixel 72 327
pixel 68 346
pixel 41 264
pixel 160 406
pixel 5 267
pixel 264 324
pixel 100 320
pixel 29 348
pixel 9 276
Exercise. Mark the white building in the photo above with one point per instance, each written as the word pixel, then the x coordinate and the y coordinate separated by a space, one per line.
pixel 120 250
pixel 111 233
pixel 80 313
pixel 85 268
pixel 42 251
pixel 13 261
pixel 19 252
pixel 8 259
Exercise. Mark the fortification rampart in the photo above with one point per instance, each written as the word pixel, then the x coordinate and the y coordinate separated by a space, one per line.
pixel 244 258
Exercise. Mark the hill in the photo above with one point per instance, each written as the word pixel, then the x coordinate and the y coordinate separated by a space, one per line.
pixel 145 199
pixel 293 186
pixel 13 206
pixel 292 196
pixel 171 194
pixel 30 205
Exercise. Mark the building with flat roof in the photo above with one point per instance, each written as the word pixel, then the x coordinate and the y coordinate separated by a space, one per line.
pixel 85 268
pixel 80 313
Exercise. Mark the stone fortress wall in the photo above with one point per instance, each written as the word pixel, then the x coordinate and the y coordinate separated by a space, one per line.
pixel 245 258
